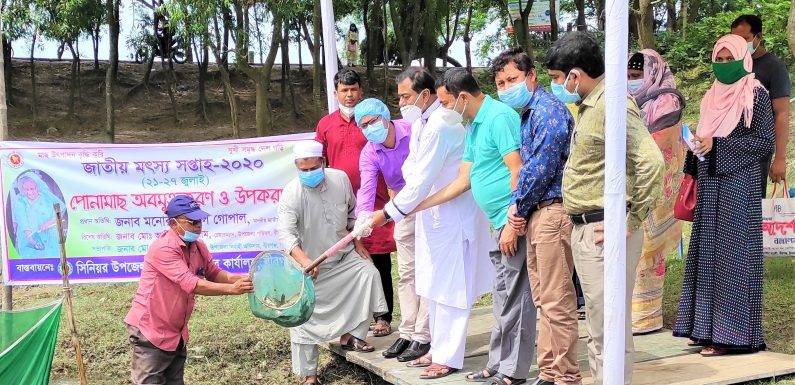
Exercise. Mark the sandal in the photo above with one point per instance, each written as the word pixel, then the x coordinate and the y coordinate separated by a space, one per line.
pixel 501 380
pixel 481 375
pixel 711 351
pixel 422 362
pixel 357 345
pixel 437 371
pixel 382 329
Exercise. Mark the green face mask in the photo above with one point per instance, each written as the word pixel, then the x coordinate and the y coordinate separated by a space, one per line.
pixel 729 72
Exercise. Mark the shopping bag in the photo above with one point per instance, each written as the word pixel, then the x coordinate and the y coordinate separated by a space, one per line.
pixel 778 223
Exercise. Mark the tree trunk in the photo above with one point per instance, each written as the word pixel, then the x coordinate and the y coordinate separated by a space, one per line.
pixel 317 78
pixel 467 37
pixel 203 63
pixel 7 71
pixel 113 62
pixel 170 86
pixel 430 46
pixel 692 10
pixel 791 29
pixel 386 54
pixel 581 25
pixel 553 18
pixel 300 55
pixel 95 42
pixel 227 17
pixel 34 105
pixel 258 31
pixel 286 61
pixel 187 41
pixel 150 62
pixel 370 31
pixel 228 90
pixel 646 25
pixel 672 23
pixel 263 116
pixel 521 29
pixel 73 77
pixel 600 14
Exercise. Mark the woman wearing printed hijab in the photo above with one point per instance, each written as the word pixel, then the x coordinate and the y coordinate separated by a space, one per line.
pixel 652 85
pixel 34 219
pixel 721 303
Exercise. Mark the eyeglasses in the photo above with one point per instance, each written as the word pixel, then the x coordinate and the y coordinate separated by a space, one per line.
pixel 192 222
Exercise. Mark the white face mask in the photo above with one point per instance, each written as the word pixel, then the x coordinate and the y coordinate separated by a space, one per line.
pixel 347 111
pixel 453 117
pixel 411 113
pixel 752 47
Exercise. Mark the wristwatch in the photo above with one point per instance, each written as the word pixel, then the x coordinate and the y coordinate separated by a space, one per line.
pixel 386 216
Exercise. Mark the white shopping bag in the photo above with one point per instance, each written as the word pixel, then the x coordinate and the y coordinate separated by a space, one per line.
pixel 778 224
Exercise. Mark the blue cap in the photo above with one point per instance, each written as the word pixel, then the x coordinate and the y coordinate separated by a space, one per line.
pixel 370 106
pixel 185 205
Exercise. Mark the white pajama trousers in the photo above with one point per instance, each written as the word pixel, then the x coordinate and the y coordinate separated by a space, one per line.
pixel 448 334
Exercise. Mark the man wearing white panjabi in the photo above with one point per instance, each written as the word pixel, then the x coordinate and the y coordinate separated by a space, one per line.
pixel 452 267
pixel 316 209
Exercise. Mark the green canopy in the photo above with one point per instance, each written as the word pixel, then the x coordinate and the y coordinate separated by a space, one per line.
pixel 27 344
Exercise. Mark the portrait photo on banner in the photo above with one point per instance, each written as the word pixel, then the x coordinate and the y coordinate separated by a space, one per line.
pixel 30 218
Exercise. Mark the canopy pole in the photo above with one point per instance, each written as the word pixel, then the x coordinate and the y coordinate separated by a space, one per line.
pixel 8 294
pixel 330 51
pixel 615 208
pixel 67 295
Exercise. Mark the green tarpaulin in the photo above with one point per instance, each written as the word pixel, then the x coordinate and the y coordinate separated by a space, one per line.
pixel 27 344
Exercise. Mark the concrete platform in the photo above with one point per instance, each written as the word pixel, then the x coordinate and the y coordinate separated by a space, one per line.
pixel 660 359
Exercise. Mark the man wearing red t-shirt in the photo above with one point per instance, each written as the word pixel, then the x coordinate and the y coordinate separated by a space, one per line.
pixel 342 143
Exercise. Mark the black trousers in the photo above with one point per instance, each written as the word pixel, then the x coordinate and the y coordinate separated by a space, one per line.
pixel 383 262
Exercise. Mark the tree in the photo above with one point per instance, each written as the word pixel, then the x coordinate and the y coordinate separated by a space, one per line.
pixel 112 12
pixel 96 18
pixel 645 20
pixel 791 29
pixel 521 29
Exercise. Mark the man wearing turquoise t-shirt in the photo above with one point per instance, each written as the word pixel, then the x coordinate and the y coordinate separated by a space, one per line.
pixel 490 167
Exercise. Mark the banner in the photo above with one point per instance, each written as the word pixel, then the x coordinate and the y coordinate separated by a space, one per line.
pixel 539 18
pixel 778 224
pixel 113 199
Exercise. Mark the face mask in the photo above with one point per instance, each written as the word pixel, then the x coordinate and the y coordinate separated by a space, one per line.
pixel 347 111
pixel 634 85
pixel 376 132
pixel 751 47
pixel 563 94
pixel 729 72
pixel 311 178
pixel 411 113
pixel 517 95
pixel 188 236
pixel 451 116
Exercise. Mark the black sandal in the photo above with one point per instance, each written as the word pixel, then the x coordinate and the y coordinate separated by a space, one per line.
pixel 500 380
pixel 357 345
pixel 479 376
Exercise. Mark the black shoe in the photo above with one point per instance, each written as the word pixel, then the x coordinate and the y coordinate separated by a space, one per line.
pixel 414 351
pixel 398 347
pixel 539 381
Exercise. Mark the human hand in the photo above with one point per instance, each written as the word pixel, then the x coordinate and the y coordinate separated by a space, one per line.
pixel 358 245
pixel 363 225
pixel 778 169
pixel 703 145
pixel 242 285
pixel 518 223
pixel 508 239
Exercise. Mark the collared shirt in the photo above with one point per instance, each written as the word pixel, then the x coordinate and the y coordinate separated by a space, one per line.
pixel 546 129
pixel 164 301
pixel 494 133
pixel 584 175
pixel 387 162
pixel 342 146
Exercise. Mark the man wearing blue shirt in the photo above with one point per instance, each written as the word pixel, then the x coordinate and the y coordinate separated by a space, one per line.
pixel 490 167
pixel 537 206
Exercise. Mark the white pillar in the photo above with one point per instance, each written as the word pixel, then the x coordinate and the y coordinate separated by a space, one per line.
pixel 615 250
pixel 330 44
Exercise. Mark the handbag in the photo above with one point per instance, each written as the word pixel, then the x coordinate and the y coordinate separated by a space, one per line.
pixel 685 206
pixel 778 223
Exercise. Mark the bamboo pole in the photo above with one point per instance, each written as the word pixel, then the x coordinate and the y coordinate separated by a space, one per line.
pixel 67 294
pixel 8 294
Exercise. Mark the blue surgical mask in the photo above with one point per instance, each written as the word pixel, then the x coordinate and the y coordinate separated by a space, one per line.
pixel 517 95
pixel 311 178
pixel 376 132
pixel 751 46
pixel 189 236
pixel 634 85
pixel 560 91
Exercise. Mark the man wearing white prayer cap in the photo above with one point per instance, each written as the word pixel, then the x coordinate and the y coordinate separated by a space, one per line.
pixel 316 210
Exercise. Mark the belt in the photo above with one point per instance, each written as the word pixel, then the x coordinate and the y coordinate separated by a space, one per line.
pixel 548 202
pixel 591 217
